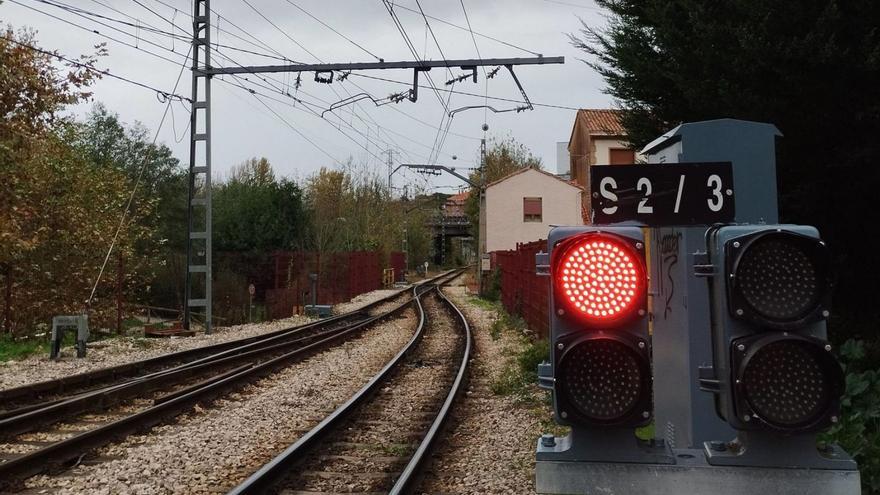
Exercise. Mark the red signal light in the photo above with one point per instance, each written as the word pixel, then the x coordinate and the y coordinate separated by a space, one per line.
pixel 600 278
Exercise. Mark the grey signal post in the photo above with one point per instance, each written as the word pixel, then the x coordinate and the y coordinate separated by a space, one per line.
pixel 197 292
pixel 684 415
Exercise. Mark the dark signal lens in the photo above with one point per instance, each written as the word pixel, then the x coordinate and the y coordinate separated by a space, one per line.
pixel 602 379
pixel 782 277
pixel 600 278
pixel 790 383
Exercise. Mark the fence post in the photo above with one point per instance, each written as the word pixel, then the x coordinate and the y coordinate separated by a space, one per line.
pixel 119 283
pixel 7 310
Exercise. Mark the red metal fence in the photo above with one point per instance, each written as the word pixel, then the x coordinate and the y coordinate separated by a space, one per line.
pixel 522 292
pixel 341 276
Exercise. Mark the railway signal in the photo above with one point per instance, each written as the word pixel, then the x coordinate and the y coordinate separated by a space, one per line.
pixel 773 371
pixel 600 333
pixel 600 369
pixel 754 335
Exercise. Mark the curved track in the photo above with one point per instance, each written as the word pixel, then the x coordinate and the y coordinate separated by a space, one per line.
pixel 136 404
pixel 379 438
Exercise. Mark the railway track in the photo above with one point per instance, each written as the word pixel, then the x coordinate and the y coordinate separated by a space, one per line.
pixel 13 400
pixel 377 441
pixel 40 436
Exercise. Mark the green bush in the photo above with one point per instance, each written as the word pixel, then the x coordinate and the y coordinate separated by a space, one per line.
pixel 492 291
pixel 521 372
pixel 11 349
pixel 531 356
pixel 858 431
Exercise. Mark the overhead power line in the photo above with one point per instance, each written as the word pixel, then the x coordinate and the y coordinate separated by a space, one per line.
pixel 465 93
pixel 438 140
pixel 104 35
pixel 283 32
pixel 140 48
pixel 188 36
pixel 412 49
pixel 103 72
pixel 485 75
pixel 355 43
pixel 443 21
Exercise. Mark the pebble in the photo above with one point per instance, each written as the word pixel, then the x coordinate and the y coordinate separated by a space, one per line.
pixel 217 449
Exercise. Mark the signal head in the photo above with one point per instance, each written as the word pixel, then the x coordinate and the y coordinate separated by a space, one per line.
pixel 789 383
pixel 779 279
pixel 605 380
pixel 599 278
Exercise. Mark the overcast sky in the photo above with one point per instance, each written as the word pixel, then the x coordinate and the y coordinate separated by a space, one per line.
pixel 243 127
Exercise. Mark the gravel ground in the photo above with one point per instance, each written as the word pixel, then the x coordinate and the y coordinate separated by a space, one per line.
pixel 111 352
pixel 489 447
pixel 364 299
pixel 213 449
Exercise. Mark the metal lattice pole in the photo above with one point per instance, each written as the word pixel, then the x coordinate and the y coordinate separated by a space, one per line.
pixel 198 242
pixel 481 222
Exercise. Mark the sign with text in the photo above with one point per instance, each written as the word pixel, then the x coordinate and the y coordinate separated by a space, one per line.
pixel 662 194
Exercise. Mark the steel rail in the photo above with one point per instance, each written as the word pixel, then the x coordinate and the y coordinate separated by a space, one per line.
pixel 407 478
pixel 175 403
pixel 276 470
pixel 247 345
pixel 109 396
pixel 62 451
pixel 130 370
pixel 115 394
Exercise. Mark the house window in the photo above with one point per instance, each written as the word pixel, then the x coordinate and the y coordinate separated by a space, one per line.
pixel 532 210
pixel 621 156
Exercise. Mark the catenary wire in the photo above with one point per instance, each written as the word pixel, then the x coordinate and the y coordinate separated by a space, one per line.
pixel 136 185
pixel 103 72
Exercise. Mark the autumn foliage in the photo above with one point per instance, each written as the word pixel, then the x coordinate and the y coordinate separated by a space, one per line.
pixel 58 210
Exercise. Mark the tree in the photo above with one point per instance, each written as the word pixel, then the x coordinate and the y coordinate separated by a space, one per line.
pixel 327 193
pixel 255 213
pixel 503 157
pixel 106 142
pixel 256 172
pixel 58 213
pixel 32 95
pixel 350 210
pixel 811 68
pixel 156 271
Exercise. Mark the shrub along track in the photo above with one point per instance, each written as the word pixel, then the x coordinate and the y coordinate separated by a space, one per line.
pixel 136 404
pixel 378 440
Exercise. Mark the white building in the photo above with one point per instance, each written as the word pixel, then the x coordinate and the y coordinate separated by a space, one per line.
pixel 522 206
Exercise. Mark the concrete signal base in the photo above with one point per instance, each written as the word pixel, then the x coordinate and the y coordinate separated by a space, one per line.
pixel 690 474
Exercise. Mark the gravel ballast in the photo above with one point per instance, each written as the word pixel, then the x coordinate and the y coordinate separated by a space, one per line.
pixel 372 448
pixel 111 352
pixel 364 299
pixel 214 448
pixel 490 447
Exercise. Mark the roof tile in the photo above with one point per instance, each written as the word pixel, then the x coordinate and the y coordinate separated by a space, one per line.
pixel 601 120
